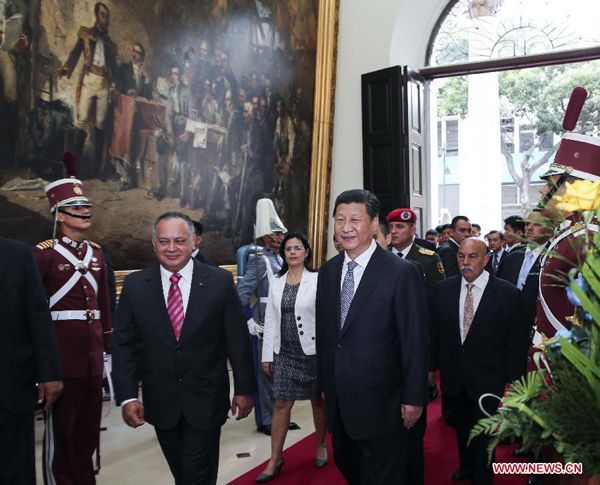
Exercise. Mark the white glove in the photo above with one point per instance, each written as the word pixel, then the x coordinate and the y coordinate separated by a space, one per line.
pixel 254 328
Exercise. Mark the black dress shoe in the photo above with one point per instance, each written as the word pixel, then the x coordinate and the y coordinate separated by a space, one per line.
pixel 433 392
pixel 264 429
pixel 292 426
pixel 461 474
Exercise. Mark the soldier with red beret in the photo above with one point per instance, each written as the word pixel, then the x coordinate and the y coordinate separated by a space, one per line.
pixel 74 274
pixel 578 158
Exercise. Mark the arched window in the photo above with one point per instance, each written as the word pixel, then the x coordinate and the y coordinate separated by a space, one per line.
pixel 479 30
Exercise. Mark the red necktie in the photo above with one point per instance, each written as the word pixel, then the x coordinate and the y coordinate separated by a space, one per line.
pixel 175 305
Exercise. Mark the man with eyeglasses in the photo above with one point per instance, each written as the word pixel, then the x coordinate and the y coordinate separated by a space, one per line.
pixel 133 75
pixel 74 275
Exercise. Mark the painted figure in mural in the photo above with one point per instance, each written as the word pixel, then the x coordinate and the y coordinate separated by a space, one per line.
pixel 283 146
pixel 253 154
pixel 180 107
pixel 133 76
pixel 98 77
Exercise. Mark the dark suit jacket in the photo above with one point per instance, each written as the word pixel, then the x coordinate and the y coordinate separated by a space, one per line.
pixel 28 347
pixel 489 264
pixel 379 360
pixel 188 377
pixel 127 80
pixel 448 254
pixel 493 353
pixel 511 267
pixel 203 259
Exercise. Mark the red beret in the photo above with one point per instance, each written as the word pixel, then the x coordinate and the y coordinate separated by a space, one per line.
pixel 402 215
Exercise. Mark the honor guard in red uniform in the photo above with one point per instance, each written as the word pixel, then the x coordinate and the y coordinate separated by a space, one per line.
pixel 578 157
pixel 75 279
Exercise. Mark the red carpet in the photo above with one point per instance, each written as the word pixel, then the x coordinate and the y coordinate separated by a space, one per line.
pixel 441 459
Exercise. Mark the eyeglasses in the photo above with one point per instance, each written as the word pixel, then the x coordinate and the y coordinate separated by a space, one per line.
pixel 289 249
pixel 137 52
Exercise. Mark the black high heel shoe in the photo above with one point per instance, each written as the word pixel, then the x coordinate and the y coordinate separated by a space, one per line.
pixel 265 477
pixel 323 462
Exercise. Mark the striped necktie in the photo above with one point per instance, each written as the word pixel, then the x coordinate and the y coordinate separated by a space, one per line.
pixel 347 292
pixel 175 305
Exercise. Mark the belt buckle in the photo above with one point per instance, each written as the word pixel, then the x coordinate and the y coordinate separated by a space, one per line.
pixel 90 315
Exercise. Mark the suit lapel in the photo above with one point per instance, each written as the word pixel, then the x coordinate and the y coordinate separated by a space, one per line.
pixel 157 297
pixel 303 287
pixel 336 284
pixel 198 292
pixel 489 294
pixel 373 272
pixel 454 309
pixel 413 253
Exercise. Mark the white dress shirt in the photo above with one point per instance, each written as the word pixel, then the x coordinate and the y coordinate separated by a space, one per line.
pixel 361 261
pixel 404 252
pixel 98 59
pixel 528 264
pixel 478 288
pixel 185 285
pixel 137 75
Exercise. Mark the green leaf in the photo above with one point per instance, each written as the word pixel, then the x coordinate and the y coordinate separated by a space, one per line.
pixel 588 305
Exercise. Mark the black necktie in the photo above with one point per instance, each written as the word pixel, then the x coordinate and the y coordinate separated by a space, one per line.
pixel 401 255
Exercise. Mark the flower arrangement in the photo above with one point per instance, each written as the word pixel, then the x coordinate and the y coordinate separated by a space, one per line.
pixel 558 405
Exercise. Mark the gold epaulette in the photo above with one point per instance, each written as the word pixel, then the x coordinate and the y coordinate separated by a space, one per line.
pixel 427 252
pixel 47 244
pixel 93 244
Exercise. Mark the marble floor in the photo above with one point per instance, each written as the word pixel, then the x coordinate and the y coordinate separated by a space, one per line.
pixel 133 456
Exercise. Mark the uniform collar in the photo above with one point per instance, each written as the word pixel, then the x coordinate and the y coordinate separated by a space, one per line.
pixel 74 244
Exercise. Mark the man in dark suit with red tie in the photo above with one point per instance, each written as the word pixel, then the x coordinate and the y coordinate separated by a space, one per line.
pixel 479 346
pixel 372 346
pixel 186 320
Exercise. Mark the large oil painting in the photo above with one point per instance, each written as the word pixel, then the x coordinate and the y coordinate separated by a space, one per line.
pixel 200 106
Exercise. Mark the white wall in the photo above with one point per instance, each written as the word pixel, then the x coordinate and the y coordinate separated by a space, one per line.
pixel 373 34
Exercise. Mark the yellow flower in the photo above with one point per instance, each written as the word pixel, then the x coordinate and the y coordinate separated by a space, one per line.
pixel 582 195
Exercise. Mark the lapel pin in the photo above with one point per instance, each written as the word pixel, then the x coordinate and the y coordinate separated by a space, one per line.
pixel 201 284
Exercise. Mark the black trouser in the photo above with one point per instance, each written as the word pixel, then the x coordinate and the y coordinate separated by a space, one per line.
pixel 17 453
pixel 415 457
pixel 365 462
pixel 192 455
pixel 475 457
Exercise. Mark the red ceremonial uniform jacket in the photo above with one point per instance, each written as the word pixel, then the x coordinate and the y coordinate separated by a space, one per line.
pixel 568 253
pixel 81 342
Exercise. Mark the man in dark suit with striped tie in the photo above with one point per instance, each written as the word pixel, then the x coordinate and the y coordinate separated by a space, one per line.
pixel 372 346
pixel 186 320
